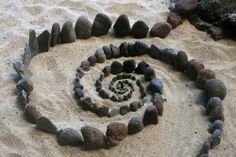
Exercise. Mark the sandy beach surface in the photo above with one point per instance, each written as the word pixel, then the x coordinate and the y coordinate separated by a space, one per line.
pixel 181 130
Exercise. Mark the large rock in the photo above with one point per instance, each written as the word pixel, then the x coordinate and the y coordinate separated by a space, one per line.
pixel 174 19
pixel 115 133
pixel 93 138
pixel 55 34
pixel 45 124
pixel 44 41
pixel 68 34
pixel 185 6
pixel 160 29
pixel 83 28
pixel 122 26
pixel 69 136
pixel 215 88
pixel 139 30
pixel 101 25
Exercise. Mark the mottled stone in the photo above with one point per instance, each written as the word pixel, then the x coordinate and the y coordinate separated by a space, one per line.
pixel 83 28
pixel 215 88
pixel 87 104
pixel 102 111
pixel 212 103
pixel 55 34
pixel 115 133
pixel 135 125
pixel 101 25
pixel 139 30
pixel 156 86
pixel 193 67
pixel 150 115
pixel 85 65
pixel 174 19
pixel 217 113
pixel 181 61
pixel 31 113
pixel 122 26
pixel 185 7
pixel 45 124
pixel 68 34
pixel 149 73
pixel 79 93
pixel 69 137
pixel 203 76
pixel 214 141
pixel 133 106
pixel 160 29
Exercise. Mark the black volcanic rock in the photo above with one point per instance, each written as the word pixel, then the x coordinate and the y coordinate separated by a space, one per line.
pixel 122 26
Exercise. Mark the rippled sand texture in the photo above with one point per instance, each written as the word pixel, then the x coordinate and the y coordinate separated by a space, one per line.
pixel 183 127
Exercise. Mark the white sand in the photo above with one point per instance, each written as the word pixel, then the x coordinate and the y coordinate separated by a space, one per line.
pixel 183 127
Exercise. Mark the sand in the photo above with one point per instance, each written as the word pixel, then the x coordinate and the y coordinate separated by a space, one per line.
pixel 181 130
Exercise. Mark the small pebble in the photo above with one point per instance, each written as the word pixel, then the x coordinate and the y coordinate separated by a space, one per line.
pixel 85 65
pixel 44 41
pixel 203 76
pixel 212 103
pixel 124 110
pixel 102 111
pixel 174 19
pixel 92 60
pixel 55 34
pixel 115 51
pixel 218 124
pixel 107 52
pixel 141 67
pixel 168 56
pixel 150 115
pixel 106 70
pixel 160 29
pixel 155 51
pixel 124 49
pixel 31 113
pixel 46 125
pixel 158 102
pixel 135 125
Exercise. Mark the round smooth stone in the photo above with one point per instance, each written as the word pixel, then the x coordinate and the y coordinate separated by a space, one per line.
pixel 68 34
pixel 193 67
pixel 203 76
pixel 106 70
pixel 92 60
pixel 149 73
pixel 215 88
pixel 135 125
pixel 107 52
pixel 129 66
pixel 122 26
pixel 174 19
pixel 83 28
pixel 160 29
pixel 141 48
pixel 100 55
pixel 102 111
pixel 139 30
pixel 141 67
pixel 69 137
pixel 116 67
pixel 101 25
pixel 212 103
pixel 217 113
pixel 181 61
pixel 218 124
pixel 31 113
pixel 85 65
pixel 156 86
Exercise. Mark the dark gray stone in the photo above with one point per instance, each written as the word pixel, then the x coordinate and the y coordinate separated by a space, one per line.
pixel 107 52
pixel 181 61
pixel 214 141
pixel 217 113
pixel 218 124
pixel 139 30
pixel 122 26
pixel 150 115
pixel 124 110
pixel 203 76
pixel 155 51
pixel 106 70
pixel 22 98
pixel 100 55
pixel 141 48
pixel 141 67
pixel 92 60
pixel 68 34
pixel 168 56
pixel 116 67
pixel 135 125
pixel 69 137
pixel 55 34
pixel 132 49
pixel 133 106
pixel 205 148
pixel 129 66
pixel 31 113
pixel 215 88
pixel 33 43
pixel 124 49
pixel 113 112
pixel 85 65
pixel 102 111
pixel 156 86
pixel 44 124
pixel 174 19
pixel 149 73
pixel 25 84
pixel 83 28
pixel 79 93
pixel 101 25
pixel 193 67
pixel 44 41
pixel 22 70
pixel 160 29
pixel 185 7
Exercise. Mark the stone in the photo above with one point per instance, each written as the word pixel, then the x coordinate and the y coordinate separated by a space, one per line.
pixel 22 98
pixel 100 55
pixel 160 29
pixel 129 66
pixel 93 138
pixel 216 33
pixel 174 19
pixel 79 93
pixel 156 86
pixel 45 124
pixel 85 65
pixel 92 60
pixel 87 104
pixel 22 70
pixel 193 67
pixel 44 41
pixel 69 137
pixel 83 28
pixel 150 115
pixel 181 61
pixel 80 72
pixel 155 51
pixel 102 111
pixel 185 7
pixel 149 73
pixel 158 102
pixel 218 124
pixel 217 113
pixel 68 34
pixel 104 94
pixel 101 25
pixel 133 106
pixel 212 103
pixel 122 26
pixel 55 34
pixel 141 67
pixel 168 56
pixel 31 113
pixel 205 148
pixel 124 49
pixel 215 88
pixel 203 76
pixel 25 84
pixel 27 55
pixel 115 51
pixel 107 52
pixel 132 49
pixel 214 141
pixel 135 125
pixel 124 110
pixel 113 112
pixel 106 70
pixel 115 133
pixel 33 43
pixel 141 48
pixel 116 67
pixel 217 132
pixel 139 30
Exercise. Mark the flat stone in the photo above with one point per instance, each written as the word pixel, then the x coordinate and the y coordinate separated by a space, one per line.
pixel 69 137
pixel 44 124
pixel 68 34
pixel 55 34
pixel 115 133
pixel 93 138
pixel 31 113
pixel 122 26
pixel 203 76
pixel 160 29
pixel 215 88
pixel 83 28
pixel 101 25
pixel 150 115
pixel 139 30
pixel 135 125
pixel 156 86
